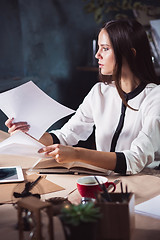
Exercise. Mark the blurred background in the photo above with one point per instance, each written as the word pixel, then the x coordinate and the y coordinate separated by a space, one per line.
pixel 52 43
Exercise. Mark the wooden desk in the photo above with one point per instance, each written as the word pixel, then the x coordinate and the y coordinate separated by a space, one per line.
pixel 144 186
pixel 146 228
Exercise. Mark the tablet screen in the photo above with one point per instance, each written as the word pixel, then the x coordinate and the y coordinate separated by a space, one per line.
pixel 11 174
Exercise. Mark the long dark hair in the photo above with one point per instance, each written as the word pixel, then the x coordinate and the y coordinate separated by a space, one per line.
pixel 126 35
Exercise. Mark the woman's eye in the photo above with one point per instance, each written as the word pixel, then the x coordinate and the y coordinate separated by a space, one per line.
pixel 105 49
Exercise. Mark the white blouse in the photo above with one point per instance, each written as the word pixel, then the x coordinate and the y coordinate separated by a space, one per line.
pixel 139 139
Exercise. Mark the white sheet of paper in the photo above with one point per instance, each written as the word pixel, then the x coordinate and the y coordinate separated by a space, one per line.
pixel 21 144
pixel 29 103
pixel 149 208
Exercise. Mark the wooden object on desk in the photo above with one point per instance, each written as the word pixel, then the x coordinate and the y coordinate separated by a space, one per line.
pixel 35 205
pixel 144 186
pixel 118 218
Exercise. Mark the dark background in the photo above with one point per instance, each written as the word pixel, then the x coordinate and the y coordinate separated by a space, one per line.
pixel 45 41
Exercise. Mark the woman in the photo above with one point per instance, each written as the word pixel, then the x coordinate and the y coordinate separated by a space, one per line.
pixel 123 107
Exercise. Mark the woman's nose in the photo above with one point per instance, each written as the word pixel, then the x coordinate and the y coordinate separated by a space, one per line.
pixel 98 55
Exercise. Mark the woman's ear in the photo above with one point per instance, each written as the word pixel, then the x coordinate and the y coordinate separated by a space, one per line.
pixel 133 51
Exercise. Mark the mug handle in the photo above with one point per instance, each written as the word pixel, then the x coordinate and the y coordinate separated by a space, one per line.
pixel 111 184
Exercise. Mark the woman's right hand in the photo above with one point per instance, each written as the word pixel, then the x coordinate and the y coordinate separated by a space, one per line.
pixel 15 126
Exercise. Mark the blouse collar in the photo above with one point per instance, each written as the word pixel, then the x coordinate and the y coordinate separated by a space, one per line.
pixel 135 92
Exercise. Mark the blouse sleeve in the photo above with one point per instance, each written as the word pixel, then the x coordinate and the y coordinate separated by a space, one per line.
pixel 80 125
pixel 146 145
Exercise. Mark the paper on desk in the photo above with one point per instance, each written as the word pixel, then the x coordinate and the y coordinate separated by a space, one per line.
pixel 149 208
pixel 29 103
pixel 43 187
pixel 21 144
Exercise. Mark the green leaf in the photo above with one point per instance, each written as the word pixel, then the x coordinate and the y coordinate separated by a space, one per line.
pixel 75 214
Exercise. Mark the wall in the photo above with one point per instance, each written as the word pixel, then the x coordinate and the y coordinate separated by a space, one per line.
pixel 45 41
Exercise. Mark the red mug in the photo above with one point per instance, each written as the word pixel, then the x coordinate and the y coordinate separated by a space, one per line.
pixel 89 187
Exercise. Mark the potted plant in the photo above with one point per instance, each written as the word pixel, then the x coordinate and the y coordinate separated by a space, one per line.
pixel 143 11
pixel 80 221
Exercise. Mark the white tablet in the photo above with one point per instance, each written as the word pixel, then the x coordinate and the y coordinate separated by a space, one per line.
pixel 11 174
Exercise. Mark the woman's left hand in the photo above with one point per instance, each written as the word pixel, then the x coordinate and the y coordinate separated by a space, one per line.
pixel 61 153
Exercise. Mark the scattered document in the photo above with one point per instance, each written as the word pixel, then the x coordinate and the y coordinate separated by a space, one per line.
pixel 30 104
pixel 149 208
pixel 21 144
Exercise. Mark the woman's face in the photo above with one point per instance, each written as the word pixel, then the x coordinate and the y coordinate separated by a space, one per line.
pixel 105 54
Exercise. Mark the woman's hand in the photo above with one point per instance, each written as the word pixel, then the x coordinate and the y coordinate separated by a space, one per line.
pixel 13 127
pixel 60 153
pixel 64 154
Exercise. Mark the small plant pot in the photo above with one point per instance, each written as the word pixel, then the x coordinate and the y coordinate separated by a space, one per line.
pixel 83 231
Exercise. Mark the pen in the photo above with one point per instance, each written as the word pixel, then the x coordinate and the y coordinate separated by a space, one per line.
pixel 34 183
pixel 121 188
pixel 28 186
pixel 104 189
pixel 116 181
pixel 124 195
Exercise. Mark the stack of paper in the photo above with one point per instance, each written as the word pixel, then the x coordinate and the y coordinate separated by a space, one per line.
pixel 21 144
pixel 149 208
pixel 29 103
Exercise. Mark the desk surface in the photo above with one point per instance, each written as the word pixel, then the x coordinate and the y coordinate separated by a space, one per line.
pixel 144 186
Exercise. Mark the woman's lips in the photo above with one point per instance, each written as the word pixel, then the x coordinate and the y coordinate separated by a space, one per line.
pixel 100 65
